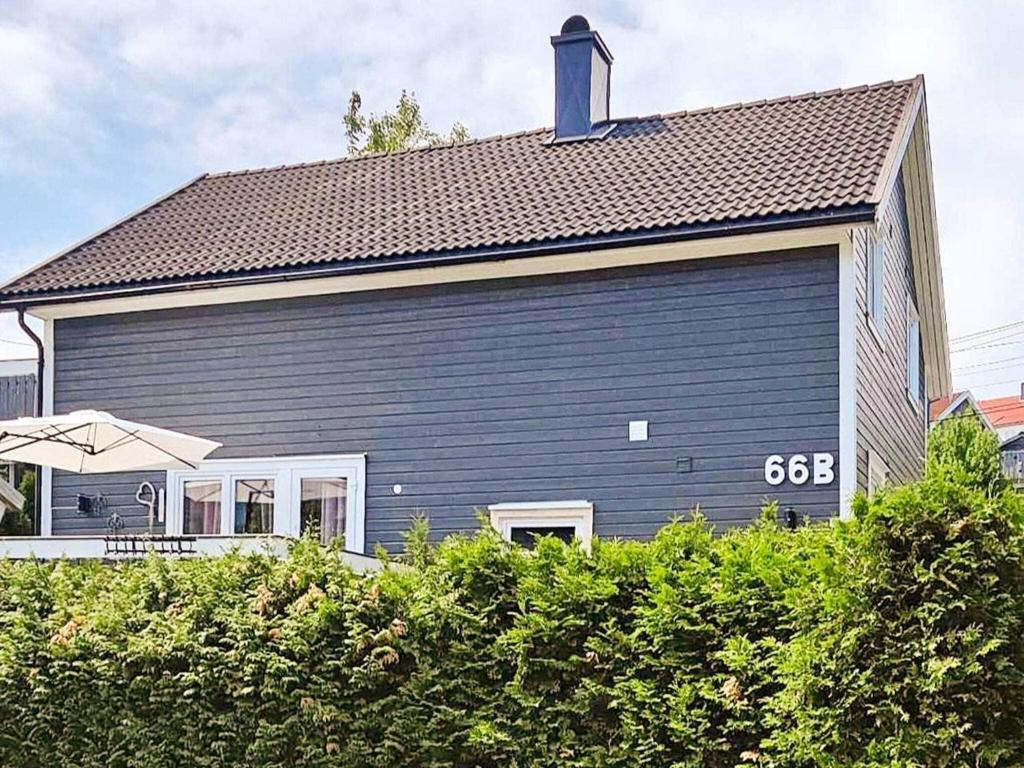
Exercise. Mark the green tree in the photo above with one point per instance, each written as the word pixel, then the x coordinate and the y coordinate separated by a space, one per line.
pixel 404 128
pixel 960 449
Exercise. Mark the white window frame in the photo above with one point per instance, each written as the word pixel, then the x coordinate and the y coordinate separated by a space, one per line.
pixel 579 515
pixel 287 473
pixel 878 473
pixel 875 286
pixel 913 354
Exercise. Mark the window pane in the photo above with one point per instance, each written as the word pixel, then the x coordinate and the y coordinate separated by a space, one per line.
pixel 202 507
pixel 527 535
pixel 323 505
pixel 254 506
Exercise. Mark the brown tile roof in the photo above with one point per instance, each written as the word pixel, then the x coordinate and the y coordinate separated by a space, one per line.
pixel 820 152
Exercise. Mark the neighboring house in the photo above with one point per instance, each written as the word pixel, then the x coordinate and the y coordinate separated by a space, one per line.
pixel 17 388
pixel 1006 414
pixel 590 328
pixel 1013 458
pixel 1003 415
pixel 1007 417
pixel 957 405
pixel 17 398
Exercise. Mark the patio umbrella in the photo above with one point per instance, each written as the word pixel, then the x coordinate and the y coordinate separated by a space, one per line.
pixel 91 442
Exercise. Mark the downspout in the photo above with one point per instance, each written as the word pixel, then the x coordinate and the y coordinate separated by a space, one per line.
pixel 40 367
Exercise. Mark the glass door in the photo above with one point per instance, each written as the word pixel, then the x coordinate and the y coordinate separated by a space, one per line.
pixel 320 503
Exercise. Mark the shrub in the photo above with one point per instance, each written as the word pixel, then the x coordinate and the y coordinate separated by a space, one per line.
pixel 894 640
pixel 963 451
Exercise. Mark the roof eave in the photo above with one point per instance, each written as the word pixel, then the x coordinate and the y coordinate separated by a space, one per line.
pixel 853 214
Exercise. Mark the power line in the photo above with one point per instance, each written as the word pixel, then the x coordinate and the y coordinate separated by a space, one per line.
pixel 1006 367
pixel 988 331
pixel 988 363
pixel 996 383
pixel 1005 342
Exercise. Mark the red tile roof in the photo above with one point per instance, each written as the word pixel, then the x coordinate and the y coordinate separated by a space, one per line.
pixel 1004 411
pixel 819 152
pixel 938 406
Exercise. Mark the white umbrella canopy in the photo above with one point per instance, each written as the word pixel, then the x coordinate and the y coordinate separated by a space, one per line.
pixel 92 442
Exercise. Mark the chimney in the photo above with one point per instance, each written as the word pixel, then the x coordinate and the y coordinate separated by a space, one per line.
pixel 1022 390
pixel 582 82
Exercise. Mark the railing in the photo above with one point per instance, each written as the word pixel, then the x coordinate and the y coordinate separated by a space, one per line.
pixel 131 546
pixel 1013 466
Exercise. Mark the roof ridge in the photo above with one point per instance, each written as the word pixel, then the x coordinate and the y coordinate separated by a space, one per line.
pixel 807 96
pixel 376 155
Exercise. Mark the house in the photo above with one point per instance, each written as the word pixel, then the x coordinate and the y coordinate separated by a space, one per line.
pixel 1007 417
pixel 1004 416
pixel 958 405
pixel 17 398
pixel 585 329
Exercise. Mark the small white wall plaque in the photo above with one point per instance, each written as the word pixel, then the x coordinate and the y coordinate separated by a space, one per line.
pixel 637 431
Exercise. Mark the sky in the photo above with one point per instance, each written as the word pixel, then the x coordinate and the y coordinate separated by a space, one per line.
pixel 108 104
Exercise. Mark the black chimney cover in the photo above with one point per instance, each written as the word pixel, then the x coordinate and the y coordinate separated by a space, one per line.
pixel 575 23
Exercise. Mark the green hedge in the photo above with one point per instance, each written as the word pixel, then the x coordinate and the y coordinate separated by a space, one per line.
pixel 895 640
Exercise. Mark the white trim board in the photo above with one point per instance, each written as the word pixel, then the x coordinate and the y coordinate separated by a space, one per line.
pixel 579 515
pixel 46 473
pixel 490 270
pixel 847 375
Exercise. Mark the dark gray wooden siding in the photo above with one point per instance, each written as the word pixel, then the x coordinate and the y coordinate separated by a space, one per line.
pixel 17 396
pixel 497 391
pixel 887 421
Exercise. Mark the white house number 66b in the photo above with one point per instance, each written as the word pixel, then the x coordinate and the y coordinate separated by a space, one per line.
pixel 799 469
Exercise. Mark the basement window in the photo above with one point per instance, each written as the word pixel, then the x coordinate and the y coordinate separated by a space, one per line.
pixel 525 522
pixel 286 496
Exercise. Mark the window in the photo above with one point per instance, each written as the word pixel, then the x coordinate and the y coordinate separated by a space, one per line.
pixel 878 473
pixel 523 523
pixel 876 282
pixel 201 507
pixel 322 506
pixel 286 496
pixel 254 506
pixel 914 382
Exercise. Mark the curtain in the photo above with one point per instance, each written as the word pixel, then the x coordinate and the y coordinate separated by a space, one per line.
pixel 324 502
